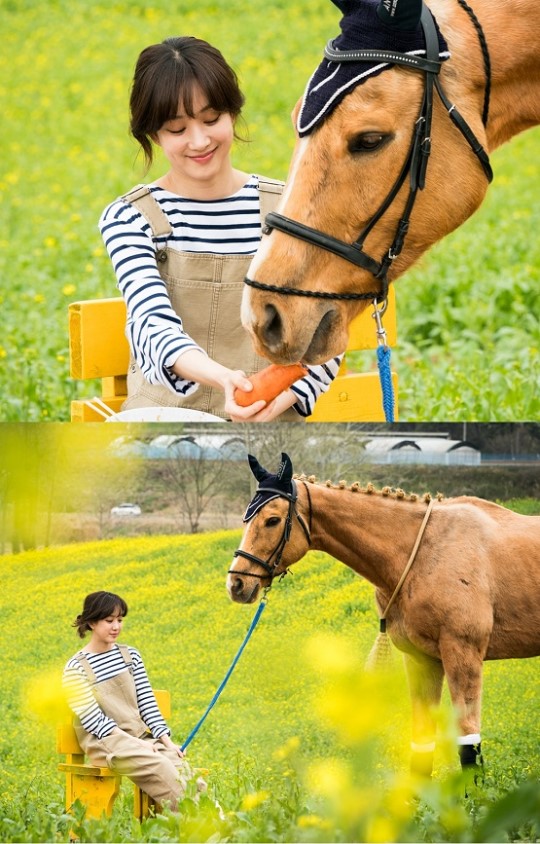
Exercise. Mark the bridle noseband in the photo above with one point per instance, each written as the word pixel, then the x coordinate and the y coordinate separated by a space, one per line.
pixel 272 562
pixel 414 167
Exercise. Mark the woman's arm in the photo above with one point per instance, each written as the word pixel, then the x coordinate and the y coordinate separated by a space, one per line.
pixel 155 332
pixel 309 388
pixel 164 352
pixel 83 703
pixel 148 708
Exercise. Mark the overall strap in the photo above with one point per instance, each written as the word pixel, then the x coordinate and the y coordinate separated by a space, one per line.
pixel 142 199
pixel 270 191
pixel 126 654
pixel 86 667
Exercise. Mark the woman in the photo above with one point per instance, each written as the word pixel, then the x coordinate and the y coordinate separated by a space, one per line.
pixel 117 720
pixel 182 245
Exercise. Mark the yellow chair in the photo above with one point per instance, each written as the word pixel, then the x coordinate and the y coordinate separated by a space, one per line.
pixel 98 787
pixel 99 349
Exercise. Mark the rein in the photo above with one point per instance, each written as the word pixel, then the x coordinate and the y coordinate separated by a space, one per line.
pixel 276 554
pixel 414 167
pixel 407 568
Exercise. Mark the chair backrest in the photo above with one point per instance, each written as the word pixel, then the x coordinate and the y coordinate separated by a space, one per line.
pixel 98 348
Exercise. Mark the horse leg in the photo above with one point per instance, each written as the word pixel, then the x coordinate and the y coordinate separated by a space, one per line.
pixel 463 669
pixel 425 676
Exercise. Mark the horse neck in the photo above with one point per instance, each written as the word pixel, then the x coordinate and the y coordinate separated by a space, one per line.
pixel 510 28
pixel 371 533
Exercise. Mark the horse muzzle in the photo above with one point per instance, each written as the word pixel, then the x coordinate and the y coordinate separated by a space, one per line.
pixel 287 329
pixel 243 589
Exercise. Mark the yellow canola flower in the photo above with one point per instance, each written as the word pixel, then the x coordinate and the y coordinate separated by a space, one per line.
pixel 44 696
pixel 330 655
pixel 401 795
pixel 307 821
pixel 68 289
pixel 329 777
pixel 381 829
pixel 290 746
pixel 254 799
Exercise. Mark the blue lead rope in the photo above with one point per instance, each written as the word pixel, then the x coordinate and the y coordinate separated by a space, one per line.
pixel 223 683
pixel 383 360
pixel 385 376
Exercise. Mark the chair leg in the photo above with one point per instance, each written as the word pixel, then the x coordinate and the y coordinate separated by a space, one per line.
pixel 142 803
pixel 97 793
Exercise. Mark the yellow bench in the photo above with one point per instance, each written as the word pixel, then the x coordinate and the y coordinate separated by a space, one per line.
pixel 98 787
pixel 98 349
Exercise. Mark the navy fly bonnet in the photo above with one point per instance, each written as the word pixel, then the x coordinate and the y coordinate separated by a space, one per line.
pixel 391 25
pixel 270 486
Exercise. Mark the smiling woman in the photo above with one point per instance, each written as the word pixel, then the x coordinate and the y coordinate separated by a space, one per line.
pixel 181 246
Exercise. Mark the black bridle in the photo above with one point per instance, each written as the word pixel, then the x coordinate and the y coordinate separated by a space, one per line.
pixel 414 167
pixel 272 562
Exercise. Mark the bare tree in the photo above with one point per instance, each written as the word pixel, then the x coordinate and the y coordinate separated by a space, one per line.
pixel 197 480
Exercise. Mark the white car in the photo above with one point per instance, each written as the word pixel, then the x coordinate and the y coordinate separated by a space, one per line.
pixel 126 510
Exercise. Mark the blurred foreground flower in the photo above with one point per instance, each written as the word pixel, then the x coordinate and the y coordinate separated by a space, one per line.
pixel 254 799
pixel 44 696
pixel 358 705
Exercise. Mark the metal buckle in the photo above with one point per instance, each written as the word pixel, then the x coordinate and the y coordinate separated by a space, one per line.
pixel 377 316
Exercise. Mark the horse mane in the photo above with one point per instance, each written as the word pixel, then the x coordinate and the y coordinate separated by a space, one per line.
pixel 370 489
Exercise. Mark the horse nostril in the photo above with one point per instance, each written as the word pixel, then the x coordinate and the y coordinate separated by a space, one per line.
pixel 272 328
pixel 238 585
pixel 320 337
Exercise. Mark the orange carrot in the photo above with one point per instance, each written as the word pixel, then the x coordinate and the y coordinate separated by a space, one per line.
pixel 269 383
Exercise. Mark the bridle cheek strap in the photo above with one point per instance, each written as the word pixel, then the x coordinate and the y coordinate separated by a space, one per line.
pixel 269 567
pixel 415 166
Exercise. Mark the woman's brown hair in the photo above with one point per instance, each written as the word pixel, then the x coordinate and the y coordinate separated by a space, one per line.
pixel 96 606
pixel 168 72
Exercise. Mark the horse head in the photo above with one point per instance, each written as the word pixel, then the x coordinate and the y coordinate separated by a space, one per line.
pixel 348 179
pixel 275 536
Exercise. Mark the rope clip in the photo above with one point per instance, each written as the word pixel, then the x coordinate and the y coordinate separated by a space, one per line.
pixel 377 316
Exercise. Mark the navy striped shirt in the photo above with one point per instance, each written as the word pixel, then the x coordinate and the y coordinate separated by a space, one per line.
pixel 105 666
pixel 229 226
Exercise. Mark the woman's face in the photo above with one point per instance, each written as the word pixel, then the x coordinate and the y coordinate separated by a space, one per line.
pixel 106 631
pixel 197 147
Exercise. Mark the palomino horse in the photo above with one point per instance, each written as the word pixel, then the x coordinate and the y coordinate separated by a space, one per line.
pixel 346 226
pixel 472 591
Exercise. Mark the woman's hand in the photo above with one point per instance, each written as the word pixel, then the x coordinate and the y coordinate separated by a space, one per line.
pixel 267 413
pixel 170 745
pixel 231 379
pixel 197 366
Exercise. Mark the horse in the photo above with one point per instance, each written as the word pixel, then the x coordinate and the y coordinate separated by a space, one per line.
pixel 363 167
pixel 457 581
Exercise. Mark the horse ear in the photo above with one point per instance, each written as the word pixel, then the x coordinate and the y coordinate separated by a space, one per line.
pixel 260 473
pixel 401 14
pixel 345 6
pixel 285 471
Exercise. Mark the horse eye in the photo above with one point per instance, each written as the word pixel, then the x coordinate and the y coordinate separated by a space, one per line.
pixel 273 521
pixel 366 142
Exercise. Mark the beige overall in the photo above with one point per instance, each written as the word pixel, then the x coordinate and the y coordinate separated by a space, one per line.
pixel 205 291
pixel 134 753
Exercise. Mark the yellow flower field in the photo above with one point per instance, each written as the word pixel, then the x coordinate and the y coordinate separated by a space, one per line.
pixel 299 733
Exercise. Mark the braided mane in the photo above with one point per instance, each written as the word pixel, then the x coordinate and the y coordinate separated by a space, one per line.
pixel 370 489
